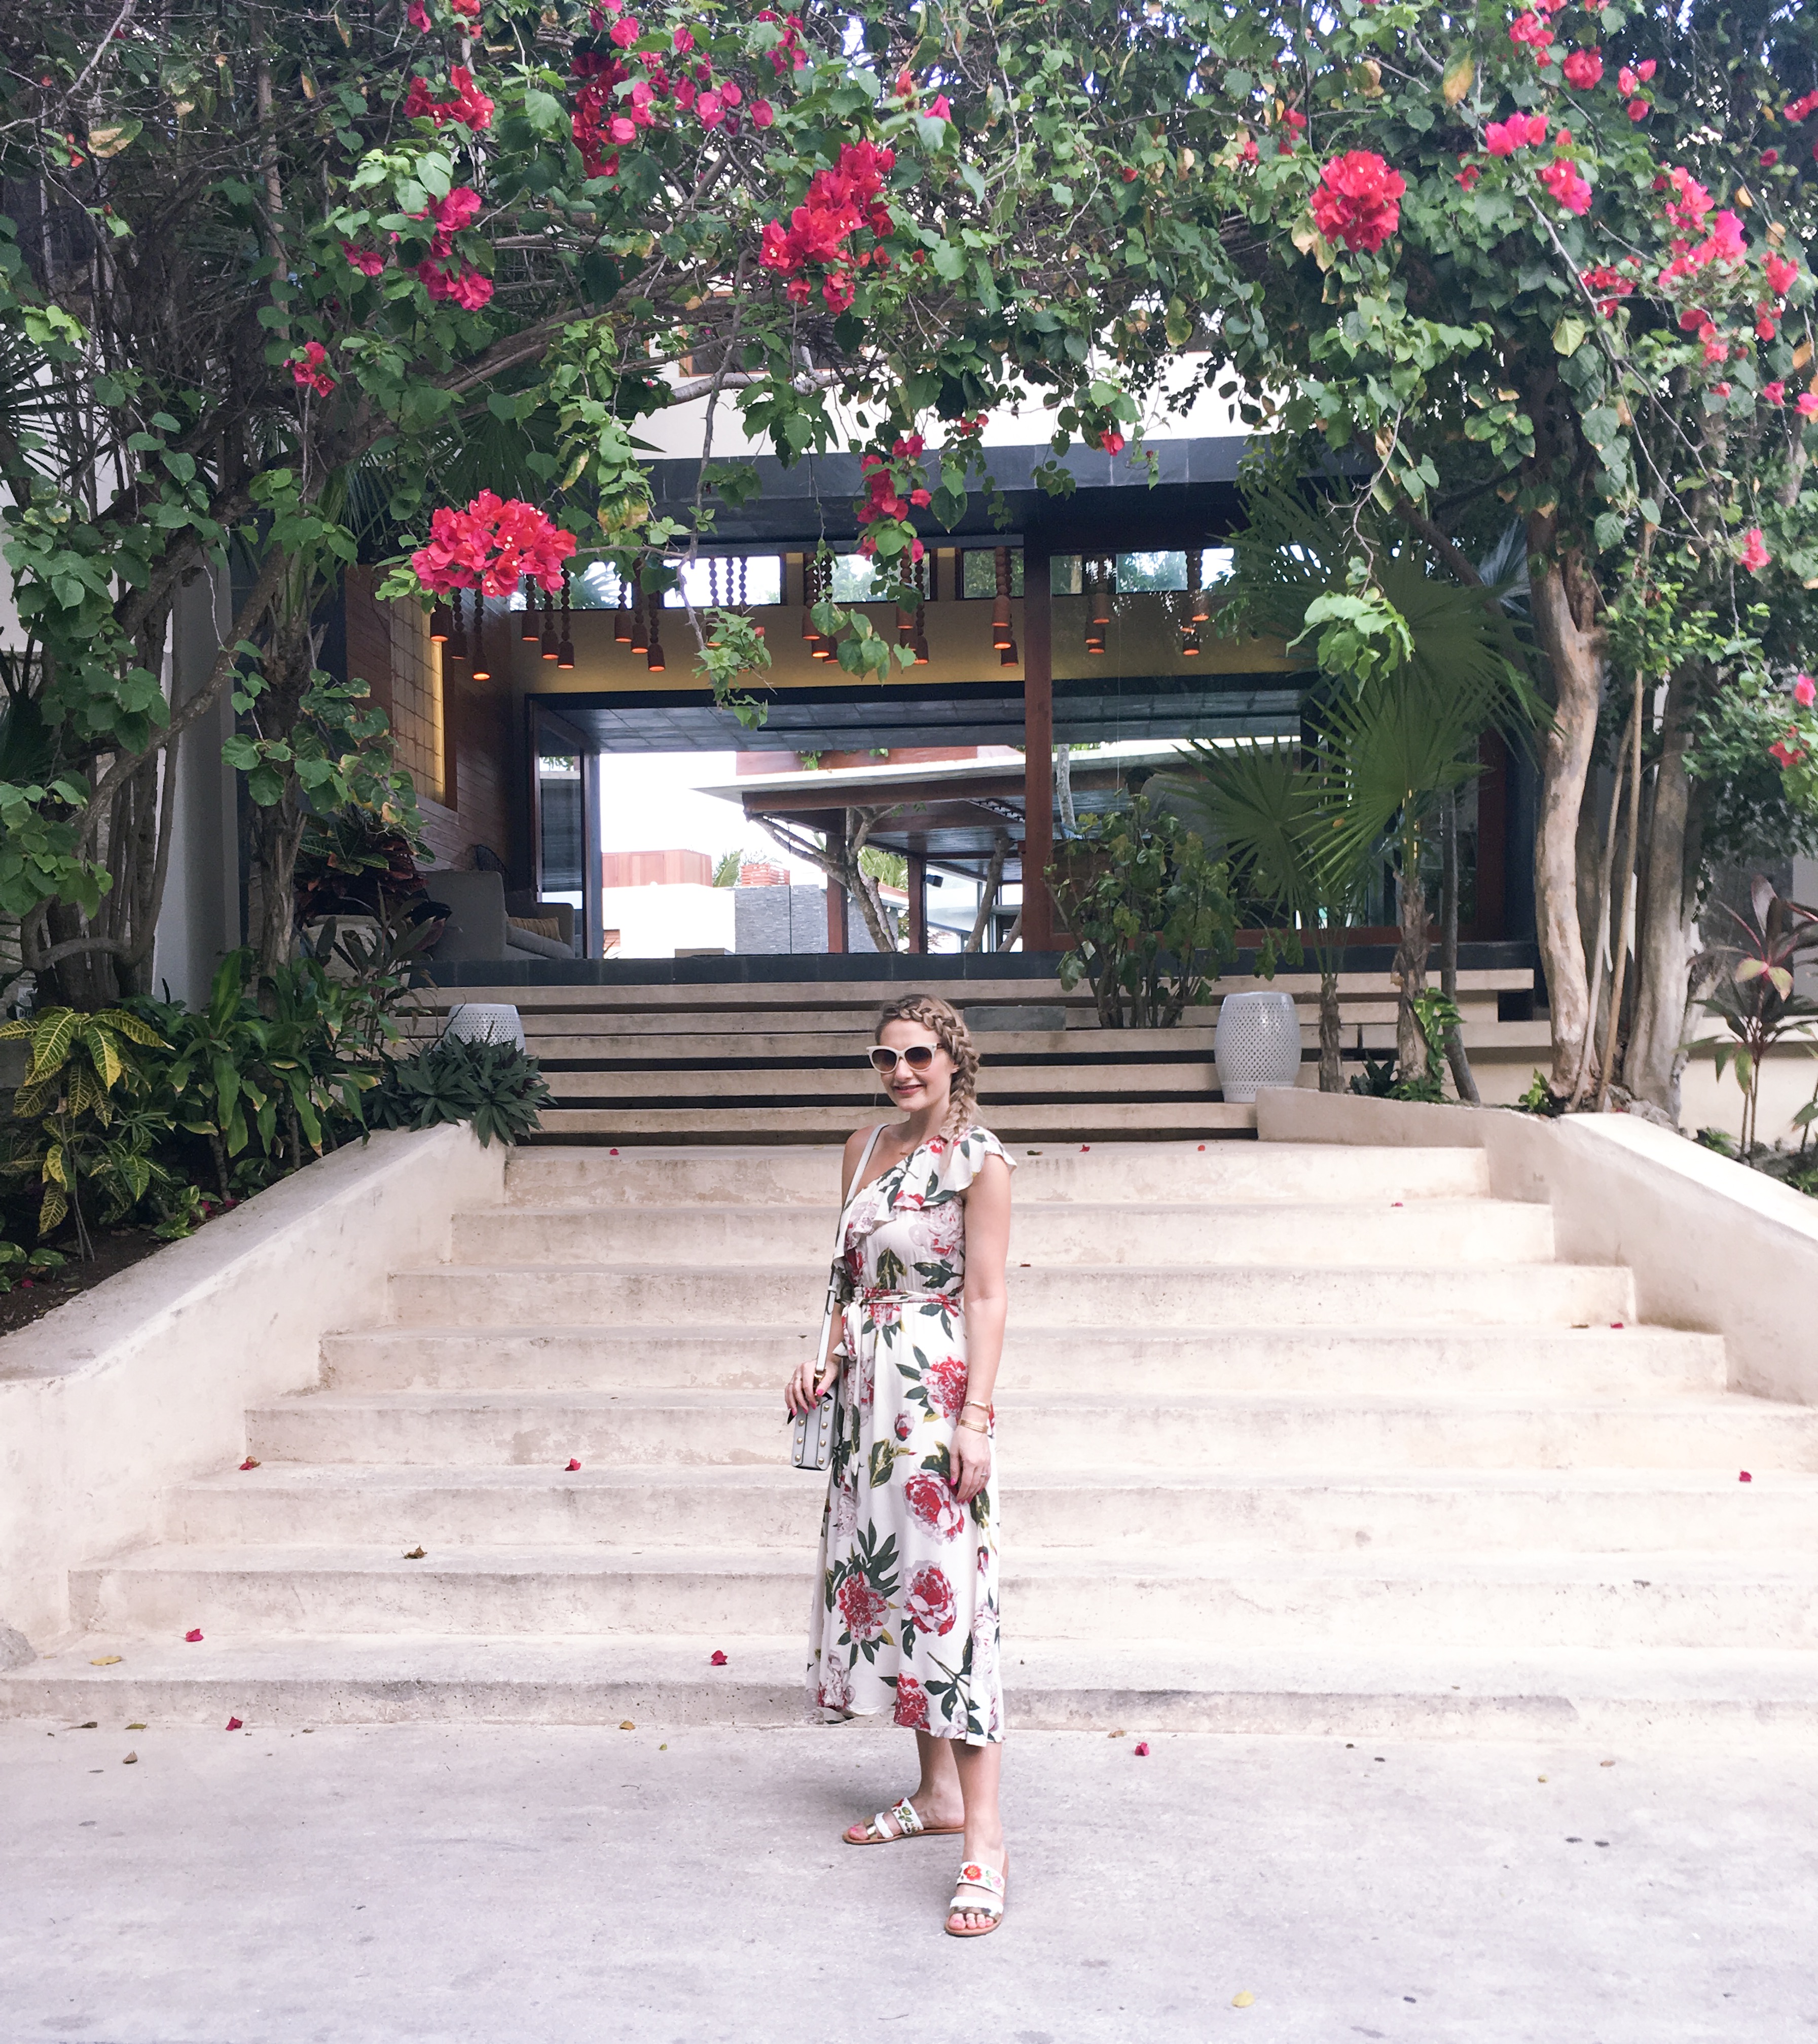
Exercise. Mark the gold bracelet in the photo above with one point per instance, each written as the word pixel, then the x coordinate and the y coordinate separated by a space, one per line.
pixel 971 1429
pixel 984 1404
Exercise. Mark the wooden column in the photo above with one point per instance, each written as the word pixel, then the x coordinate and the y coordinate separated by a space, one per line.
pixel 918 903
pixel 1038 749
pixel 835 893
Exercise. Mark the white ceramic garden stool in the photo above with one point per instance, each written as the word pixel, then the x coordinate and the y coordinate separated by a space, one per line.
pixel 1257 1044
pixel 487 1022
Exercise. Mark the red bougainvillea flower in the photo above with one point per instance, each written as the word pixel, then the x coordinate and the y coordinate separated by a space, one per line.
pixel 461 284
pixel 1805 691
pixel 1610 287
pixel 1743 1475
pixel 837 204
pixel 1638 110
pixel 1563 180
pixel 762 114
pixel 1755 555
pixel 1140 1749
pixel 470 106
pixel 1111 441
pixel 715 1659
pixel 1529 29
pixel 1780 272
pixel 1469 175
pixel 1773 393
pixel 1357 200
pixel 1768 159
pixel 308 370
pixel 232 1724
pixel 574 1464
pixel 367 261
pixel 1583 68
pixel 1503 138
pixel 192 1636
pixel 1798 109
pixel 1787 751
pixel 250 1463
pixel 417 15
pixel 490 546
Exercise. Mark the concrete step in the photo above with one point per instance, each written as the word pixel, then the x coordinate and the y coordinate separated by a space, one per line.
pixel 1259 1601
pixel 1102 1172
pixel 1539 1362
pixel 1132 1511
pixel 1055 1430
pixel 1021 1121
pixel 1634 1699
pixel 1466 1232
pixel 771 1295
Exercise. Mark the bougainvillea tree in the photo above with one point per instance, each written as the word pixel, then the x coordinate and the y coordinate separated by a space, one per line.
pixel 1552 262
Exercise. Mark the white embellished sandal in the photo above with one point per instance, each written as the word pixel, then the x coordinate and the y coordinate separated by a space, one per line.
pixel 909 1823
pixel 984 1881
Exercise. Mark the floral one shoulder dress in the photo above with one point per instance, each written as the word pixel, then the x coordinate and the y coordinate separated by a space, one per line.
pixel 904 1618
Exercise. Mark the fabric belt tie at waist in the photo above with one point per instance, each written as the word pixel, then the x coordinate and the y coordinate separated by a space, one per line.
pixel 872 1295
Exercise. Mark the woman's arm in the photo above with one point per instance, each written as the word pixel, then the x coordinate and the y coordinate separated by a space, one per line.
pixel 987 1250
pixel 811 1377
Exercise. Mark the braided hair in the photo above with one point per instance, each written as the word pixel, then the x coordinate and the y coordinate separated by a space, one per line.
pixel 950 1031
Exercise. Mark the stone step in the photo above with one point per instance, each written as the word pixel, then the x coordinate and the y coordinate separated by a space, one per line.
pixel 708 1121
pixel 1637 1698
pixel 1259 1601
pixel 810 1173
pixel 1132 1511
pixel 1539 1362
pixel 1050 1431
pixel 761 1294
pixel 1468 1233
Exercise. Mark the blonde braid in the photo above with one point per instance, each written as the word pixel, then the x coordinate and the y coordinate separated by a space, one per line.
pixel 950 1031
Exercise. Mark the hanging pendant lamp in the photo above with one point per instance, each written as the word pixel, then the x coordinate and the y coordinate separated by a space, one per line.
pixel 621 613
pixel 640 634
pixel 458 643
pixel 1198 609
pixel 653 657
pixel 482 671
pixel 528 630
pixel 440 624
pixel 548 645
pixel 565 650
pixel 1001 634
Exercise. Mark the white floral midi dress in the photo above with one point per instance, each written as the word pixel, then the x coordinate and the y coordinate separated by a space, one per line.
pixel 904 1617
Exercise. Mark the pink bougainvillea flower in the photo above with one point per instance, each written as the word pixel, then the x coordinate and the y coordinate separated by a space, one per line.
pixel 1755 555
pixel 1638 109
pixel 1469 175
pixel 574 1464
pixel 1787 751
pixel 490 546
pixel 308 370
pixel 1768 159
pixel 1583 68
pixel 1765 329
pixel 1775 392
pixel 837 291
pixel 1357 200
pixel 683 39
pixel 1111 441
pixel 1627 83
pixel 192 1636
pixel 940 110
pixel 625 31
pixel 712 109
pixel 1780 272
pixel 1645 70
pixel 252 1462
pixel 232 1724
pixel 1805 691
pixel 1562 179
pixel 1141 1749
pixel 1530 30
pixel 1503 138
pixel 762 114
pixel 1807 405
pixel 717 1659
pixel 417 15
pixel 1743 1475
pixel 367 261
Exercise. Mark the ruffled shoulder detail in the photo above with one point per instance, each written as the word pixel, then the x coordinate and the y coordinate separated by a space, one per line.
pixel 962 1156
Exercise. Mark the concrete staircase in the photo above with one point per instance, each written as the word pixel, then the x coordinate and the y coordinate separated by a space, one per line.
pixel 1299 1439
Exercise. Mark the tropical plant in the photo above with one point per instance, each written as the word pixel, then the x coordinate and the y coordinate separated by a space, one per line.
pixel 494 1085
pixel 1755 1001
pixel 16 1263
pixel 82 1070
pixel 728 866
pixel 1151 913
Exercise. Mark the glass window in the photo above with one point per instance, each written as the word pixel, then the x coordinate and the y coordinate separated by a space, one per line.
pixel 854 578
pixel 739 582
pixel 1151 572
pixel 1065 574
pixel 979 572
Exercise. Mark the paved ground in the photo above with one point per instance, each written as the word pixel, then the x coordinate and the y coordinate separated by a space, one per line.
pixel 408 1885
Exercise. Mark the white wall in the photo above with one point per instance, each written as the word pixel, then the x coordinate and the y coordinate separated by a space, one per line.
pixel 657 921
pixel 110 1402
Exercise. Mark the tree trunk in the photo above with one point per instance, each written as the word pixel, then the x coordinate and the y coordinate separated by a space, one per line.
pixel 276 830
pixel 1667 937
pixel 988 894
pixel 1562 605
pixel 1410 960
pixel 1332 1065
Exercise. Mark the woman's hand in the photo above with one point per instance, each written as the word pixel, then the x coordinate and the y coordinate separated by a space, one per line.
pixel 972 1462
pixel 803 1391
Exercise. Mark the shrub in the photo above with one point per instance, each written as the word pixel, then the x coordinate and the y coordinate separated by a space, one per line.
pixel 494 1085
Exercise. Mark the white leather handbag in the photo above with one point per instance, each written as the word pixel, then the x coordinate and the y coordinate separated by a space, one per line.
pixel 811 1441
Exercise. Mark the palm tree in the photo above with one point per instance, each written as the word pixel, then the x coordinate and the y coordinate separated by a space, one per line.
pixel 1417 667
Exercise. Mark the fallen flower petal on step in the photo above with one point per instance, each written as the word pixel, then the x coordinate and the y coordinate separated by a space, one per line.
pixel 1086 1146
pixel 573 1465
pixel 1615 1323
pixel 232 1724
pixel 113 1660
pixel 1246 2000
pixel 625 1724
pixel 193 1634
pixel 1745 1477
pixel 131 1760
pixel 1141 1749
pixel 717 1659
pixel 415 1555
pixel 611 1153
pixel 250 1462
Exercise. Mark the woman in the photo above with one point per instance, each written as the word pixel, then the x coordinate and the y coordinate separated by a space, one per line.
pixel 906 1614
